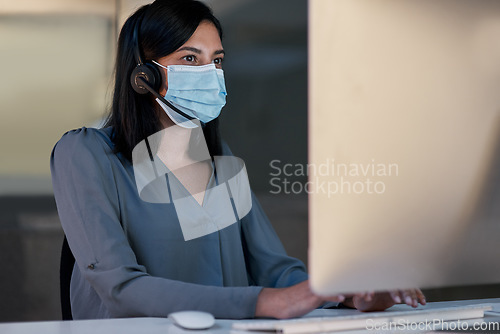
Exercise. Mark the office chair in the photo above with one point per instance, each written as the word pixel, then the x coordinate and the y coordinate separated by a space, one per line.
pixel 65 271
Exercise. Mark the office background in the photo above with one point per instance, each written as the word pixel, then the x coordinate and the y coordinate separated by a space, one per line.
pixel 57 62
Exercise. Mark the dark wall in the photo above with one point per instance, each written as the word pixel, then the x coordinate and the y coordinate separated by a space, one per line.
pixel 266 78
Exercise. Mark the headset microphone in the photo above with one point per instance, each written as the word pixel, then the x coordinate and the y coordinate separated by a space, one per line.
pixel 146 77
pixel 144 84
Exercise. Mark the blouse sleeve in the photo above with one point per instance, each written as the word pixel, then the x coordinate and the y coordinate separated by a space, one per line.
pixel 267 261
pixel 88 205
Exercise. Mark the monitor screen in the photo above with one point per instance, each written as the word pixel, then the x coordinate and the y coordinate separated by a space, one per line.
pixel 404 144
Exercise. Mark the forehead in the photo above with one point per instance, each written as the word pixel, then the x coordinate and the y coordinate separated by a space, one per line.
pixel 205 35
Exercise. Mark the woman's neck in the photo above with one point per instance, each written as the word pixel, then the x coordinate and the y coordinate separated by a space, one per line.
pixel 174 146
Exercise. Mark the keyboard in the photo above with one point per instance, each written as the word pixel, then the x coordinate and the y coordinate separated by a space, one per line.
pixel 364 320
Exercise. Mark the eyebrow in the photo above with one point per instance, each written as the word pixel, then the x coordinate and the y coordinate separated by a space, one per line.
pixel 198 51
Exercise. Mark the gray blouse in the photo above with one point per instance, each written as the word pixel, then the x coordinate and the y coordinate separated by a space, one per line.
pixel 131 256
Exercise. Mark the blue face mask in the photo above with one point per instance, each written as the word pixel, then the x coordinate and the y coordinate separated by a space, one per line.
pixel 198 91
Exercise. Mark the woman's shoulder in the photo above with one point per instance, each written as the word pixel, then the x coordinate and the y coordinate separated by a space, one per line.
pixel 86 138
pixel 82 144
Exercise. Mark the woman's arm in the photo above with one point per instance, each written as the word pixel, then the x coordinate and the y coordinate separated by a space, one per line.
pixel 266 258
pixel 272 268
pixel 89 209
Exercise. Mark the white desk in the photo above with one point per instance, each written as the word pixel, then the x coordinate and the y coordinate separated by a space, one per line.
pixel 164 326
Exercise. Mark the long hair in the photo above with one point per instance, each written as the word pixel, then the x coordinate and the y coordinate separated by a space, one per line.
pixel 165 25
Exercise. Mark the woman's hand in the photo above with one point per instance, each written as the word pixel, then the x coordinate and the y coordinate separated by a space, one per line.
pixel 382 300
pixel 411 297
pixel 289 302
pixel 298 300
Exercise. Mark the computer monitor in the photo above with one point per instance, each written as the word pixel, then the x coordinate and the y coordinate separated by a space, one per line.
pixel 404 144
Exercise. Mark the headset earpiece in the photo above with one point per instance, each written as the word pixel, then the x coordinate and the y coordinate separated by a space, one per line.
pixel 148 72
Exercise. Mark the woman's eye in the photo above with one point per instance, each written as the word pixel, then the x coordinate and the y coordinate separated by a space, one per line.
pixel 218 61
pixel 188 58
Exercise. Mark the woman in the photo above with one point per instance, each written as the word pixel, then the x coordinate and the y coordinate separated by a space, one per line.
pixel 132 255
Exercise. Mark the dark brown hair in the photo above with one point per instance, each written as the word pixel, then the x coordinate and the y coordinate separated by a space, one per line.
pixel 165 25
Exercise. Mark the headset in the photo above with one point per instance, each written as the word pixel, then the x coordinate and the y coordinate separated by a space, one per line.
pixel 146 76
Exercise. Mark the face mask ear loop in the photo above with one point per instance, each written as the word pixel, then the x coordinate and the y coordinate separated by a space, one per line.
pixel 158 64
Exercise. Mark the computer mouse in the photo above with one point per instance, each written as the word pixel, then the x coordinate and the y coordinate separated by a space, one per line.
pixel 192 319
